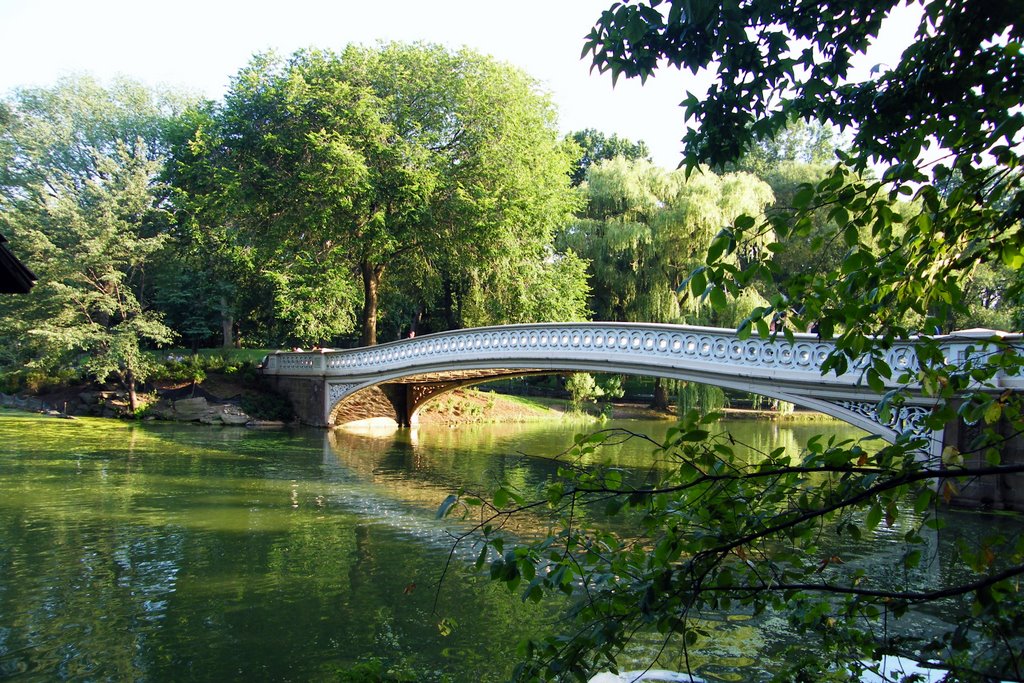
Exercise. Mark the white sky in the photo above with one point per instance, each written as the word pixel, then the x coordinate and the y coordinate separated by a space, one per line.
pixel 199 45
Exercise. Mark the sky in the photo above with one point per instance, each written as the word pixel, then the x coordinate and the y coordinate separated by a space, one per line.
pixel 198 45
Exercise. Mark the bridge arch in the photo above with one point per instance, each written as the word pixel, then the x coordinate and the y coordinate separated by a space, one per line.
pixel 399 398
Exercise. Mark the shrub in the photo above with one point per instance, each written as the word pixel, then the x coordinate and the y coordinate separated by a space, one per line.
pixel 582 388
pixel 182 369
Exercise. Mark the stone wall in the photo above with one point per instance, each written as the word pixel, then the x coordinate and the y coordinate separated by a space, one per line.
pixel 306 396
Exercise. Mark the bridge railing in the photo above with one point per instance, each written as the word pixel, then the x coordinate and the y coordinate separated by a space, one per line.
pixel 664 345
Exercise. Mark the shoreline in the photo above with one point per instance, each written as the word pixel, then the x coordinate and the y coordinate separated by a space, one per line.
pixel 461 406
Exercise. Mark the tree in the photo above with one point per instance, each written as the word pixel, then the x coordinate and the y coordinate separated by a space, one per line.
pixel 595 146
pixel 334 165
pixel 987 303
pixel 948 90
pixel 799 141
pixel 644 230
pixel 81 194
pixel 207 284
pixel 538 288
pixel 720 530
pixel 582 388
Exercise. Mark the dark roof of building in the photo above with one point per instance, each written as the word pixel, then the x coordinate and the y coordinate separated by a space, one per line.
pixel 15 278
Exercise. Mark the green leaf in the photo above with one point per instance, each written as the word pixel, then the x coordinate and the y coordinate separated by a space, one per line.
pixel 993 412
pixel 875 382
pixel 762 328
pixel 744 222
pixel 912 559
pixel 446 626
pixel 694 435
pixel 719 245
pixel 850 235
pixel 923 500
pixel 718 300
pixel 803 196
pixel 1012 256
pixel 874 516
pixel 698 282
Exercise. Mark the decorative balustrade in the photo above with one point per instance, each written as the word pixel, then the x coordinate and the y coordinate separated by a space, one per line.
pixel 662 345
pixel 643 341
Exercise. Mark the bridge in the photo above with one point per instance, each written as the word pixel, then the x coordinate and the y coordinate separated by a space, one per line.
pixel 394 380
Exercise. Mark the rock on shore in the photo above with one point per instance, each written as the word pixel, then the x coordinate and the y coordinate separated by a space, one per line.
pixel 114 404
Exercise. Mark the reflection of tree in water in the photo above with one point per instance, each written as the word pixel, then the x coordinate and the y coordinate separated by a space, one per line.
pixel 131 554
pixel 364 580
pixel 726 649
pixel 364 565
pixel 403 469
pixel 420 467
pixel 435 461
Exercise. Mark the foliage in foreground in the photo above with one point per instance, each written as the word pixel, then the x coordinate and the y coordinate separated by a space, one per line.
pixel 724 531
pixel 719 532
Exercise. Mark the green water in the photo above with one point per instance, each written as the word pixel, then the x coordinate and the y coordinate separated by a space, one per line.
pixel 182 552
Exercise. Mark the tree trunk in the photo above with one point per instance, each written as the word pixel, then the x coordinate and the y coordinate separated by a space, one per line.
pixel 660 401
pixel 133 398
pixel 450 318
pixel 227 322
pixel 371 284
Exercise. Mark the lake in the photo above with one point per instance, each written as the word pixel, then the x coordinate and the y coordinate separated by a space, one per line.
pixel 165 551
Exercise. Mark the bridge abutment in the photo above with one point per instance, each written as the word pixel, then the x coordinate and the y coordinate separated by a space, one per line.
pixel 306 395
pixel 996 492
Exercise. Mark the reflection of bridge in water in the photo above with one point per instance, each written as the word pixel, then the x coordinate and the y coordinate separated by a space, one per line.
pixel 394 380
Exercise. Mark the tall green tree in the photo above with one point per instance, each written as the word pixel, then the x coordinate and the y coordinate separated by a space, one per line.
pixel 540 288
pixel 340 165
pixel 799 142
pixel 81 196
pixel 766 80
pixel 207 284
pixel 595 146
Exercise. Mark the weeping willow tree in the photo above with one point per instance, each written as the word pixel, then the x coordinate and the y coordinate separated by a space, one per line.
pixel 700 397
pixel 644 230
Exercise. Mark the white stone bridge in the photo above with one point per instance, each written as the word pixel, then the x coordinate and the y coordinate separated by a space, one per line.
pixel 394 380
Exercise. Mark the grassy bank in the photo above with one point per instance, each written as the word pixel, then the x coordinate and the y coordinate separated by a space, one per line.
pixel 795 416
pixel 476 406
